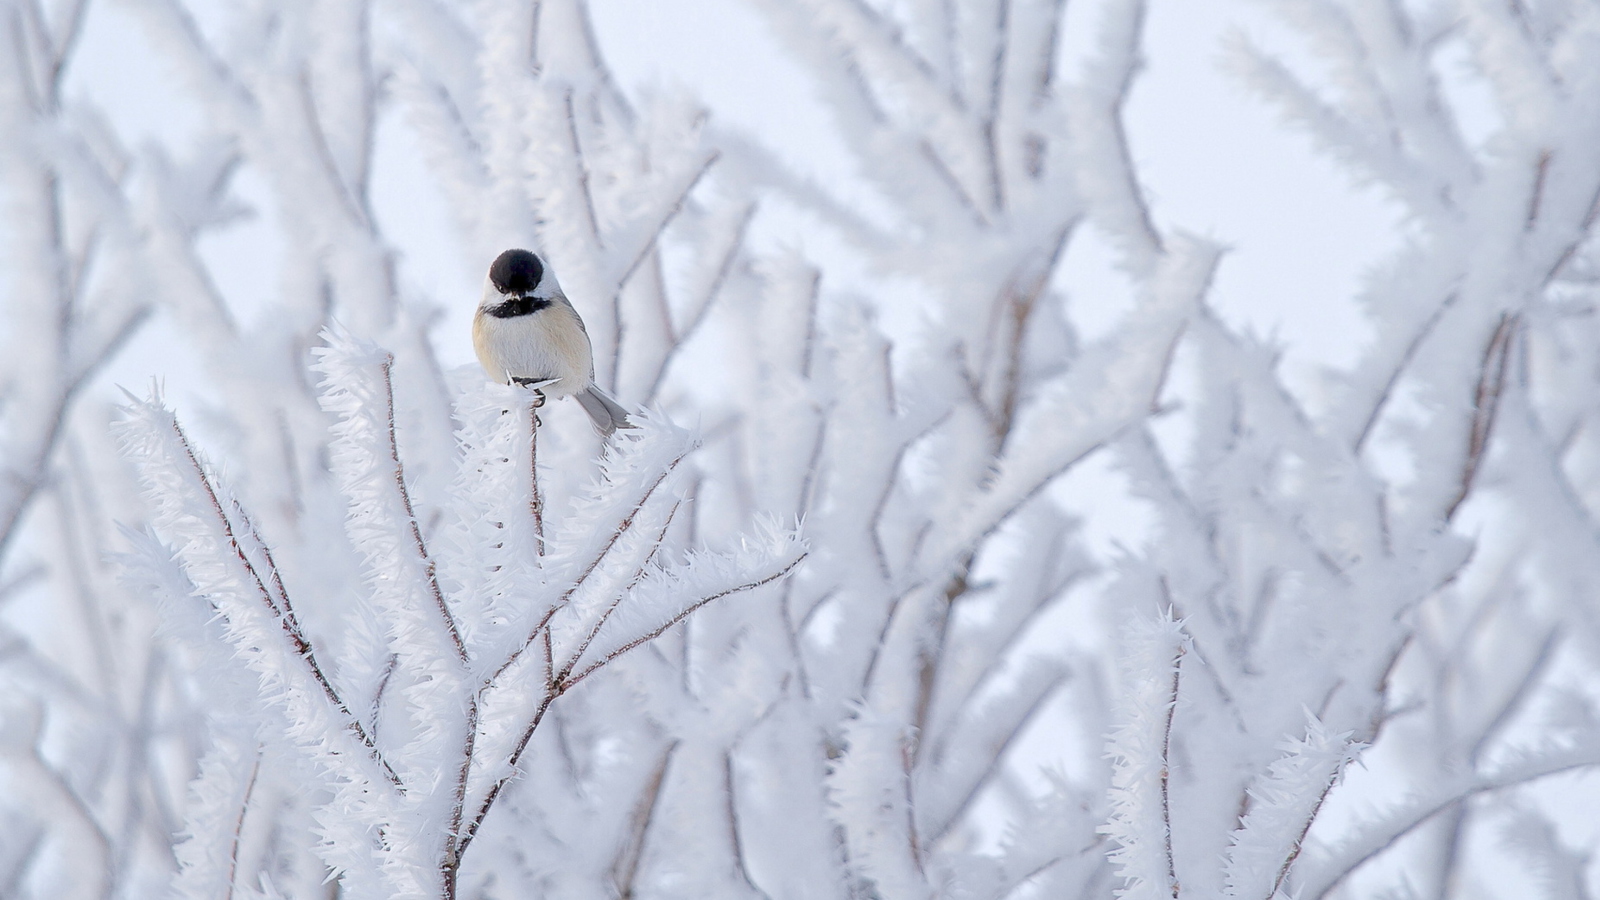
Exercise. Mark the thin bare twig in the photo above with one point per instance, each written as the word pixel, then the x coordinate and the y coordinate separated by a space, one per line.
pixel 568 683
pixel 559 683
pixel 1300 839
pixel 71 31
pixel 31 476
pixel 1517 700
pixel 991 119
pixel 931 656
pixel 291 628
pixel 632 582
pixel 622 527
pixel 549 661
pixel 736 843
pixel 581 170
pixel 428 567
pixel 383 686
pixel 704 306
pixel 1166 770
pixel 668 214
pixel 997 759
pixel 500 783
pixel 450 866
pixel 1397 825
pixel 1536 194
pixel 947 177
pixel 876 652
pixel 535 499
pixel 1020 301
pixel 238 826
pixel 1485 403
pixel 626 866
pixel 323 153
pixel 1399 369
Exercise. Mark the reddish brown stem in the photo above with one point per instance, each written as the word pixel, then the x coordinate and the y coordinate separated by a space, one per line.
pixel 291 629
pixel 594 563
pixel 535 499
pixel 428 567
pixel 1485 403
pixel 1166 772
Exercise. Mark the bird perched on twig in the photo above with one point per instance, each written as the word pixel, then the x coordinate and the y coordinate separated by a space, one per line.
pixel 526 332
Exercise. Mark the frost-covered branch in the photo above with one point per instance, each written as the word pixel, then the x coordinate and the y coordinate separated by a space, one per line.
pixel 218 557
pixel 453 720
pixel 1332 864
pixel 506 637
pixel 1141 800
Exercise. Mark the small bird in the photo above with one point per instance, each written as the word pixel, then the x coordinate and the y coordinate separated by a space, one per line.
pixel 526 332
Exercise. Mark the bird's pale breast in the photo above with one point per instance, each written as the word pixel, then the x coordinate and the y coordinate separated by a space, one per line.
pixel 549 343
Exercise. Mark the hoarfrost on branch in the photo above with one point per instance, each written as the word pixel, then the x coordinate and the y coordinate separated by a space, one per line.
pixel 417 638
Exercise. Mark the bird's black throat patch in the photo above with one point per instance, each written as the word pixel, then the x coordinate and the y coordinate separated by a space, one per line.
pixel 517 306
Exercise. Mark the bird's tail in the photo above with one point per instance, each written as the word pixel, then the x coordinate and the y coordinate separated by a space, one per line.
pixel 607 415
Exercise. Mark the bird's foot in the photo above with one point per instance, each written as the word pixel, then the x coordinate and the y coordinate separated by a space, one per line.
pixel 538 395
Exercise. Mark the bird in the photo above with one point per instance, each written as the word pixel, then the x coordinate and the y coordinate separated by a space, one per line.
pixel 527 332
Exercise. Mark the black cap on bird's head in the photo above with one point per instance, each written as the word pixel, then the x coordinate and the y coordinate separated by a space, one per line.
pixel 516 272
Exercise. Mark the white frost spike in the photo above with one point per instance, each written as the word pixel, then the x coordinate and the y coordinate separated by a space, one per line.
pixel 230 569
pixel 219 798
pixel 357 386
pixel 631 474
pixel 613 527
pixel 1283 803
pixel 666 596
pixel 1140 819
pixel 220 794
pixel 489 556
